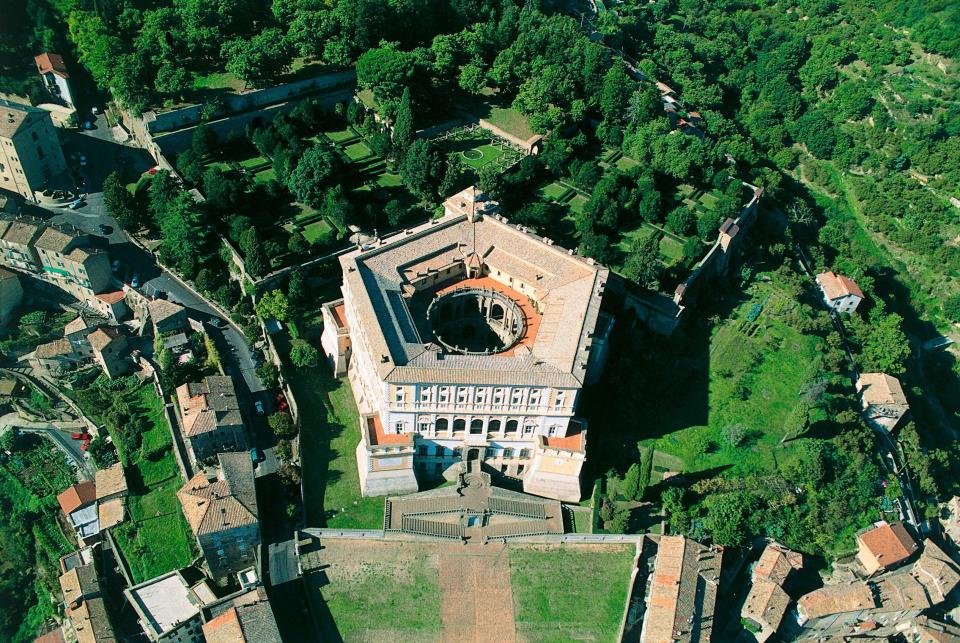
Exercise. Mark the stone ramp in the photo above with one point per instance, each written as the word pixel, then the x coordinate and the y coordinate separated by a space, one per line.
pixel 476 603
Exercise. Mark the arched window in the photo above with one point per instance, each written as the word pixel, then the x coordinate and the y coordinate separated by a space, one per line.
pixel 476 426
pixel 493 426
pixel 442 424
pixel 496 312
pixel 511 426
pixel 459 425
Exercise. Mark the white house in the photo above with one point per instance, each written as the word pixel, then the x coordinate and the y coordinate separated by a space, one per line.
pixel 55 76
pixel 839 293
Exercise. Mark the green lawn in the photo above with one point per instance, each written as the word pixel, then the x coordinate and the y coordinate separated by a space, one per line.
pixel 405 589
pixel 553 191
pixel 339 136
pixel 510 121
pixel 155 538
pixel 263 176
pixel 755 373
pixel 357 151
pixel 480 156
pixel 252 162
pixel 549 607
pixel 671 250
pixel 220 165
pixel 577 203
pixel 327 443
pixel 218 80
pixel 318 231
pixel 389 180
pixel 625 163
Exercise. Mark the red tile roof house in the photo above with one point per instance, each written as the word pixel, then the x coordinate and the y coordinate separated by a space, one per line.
pixel 839 293
pixel 884 545
pixel 79 504
pixel 55 76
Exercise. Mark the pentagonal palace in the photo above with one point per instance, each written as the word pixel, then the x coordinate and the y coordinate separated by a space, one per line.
pixel 469 338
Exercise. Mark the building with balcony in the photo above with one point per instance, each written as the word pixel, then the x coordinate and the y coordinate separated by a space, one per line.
pixel 468 338
pixel 210 418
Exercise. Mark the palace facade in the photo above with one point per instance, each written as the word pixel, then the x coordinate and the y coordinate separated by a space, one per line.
pixel 469 338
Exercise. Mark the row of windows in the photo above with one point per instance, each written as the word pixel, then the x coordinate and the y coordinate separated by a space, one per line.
pixel 445 452
pixel 481 395
pixel 438 469
pixel 511 427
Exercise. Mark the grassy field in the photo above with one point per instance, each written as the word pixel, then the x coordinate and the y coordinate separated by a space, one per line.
pixel 341 135
pixel 218 80
pixel 755 372
pixel 553 190
pixel 255 161
pixel 357 151
pixel 318 231
pixel 389 180
pixel 481 156
pixel 327 442
pixel 399 583
pixel 263 176
pixel 510 121
pixel 155 538
pixel 549 607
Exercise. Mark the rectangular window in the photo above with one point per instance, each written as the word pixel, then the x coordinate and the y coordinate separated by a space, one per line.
pixel 515 396
pixel 481 396
pixel 498 395
pixel 520 469
pixel 462 395
pixel 552 431
pixel 399 396
pixel 422 450
pixel 535 397
pixel 424 394
pixel 444 394
pixel 561 395
pixel 424 427
pixel 528 429
pixel 399 427
pixel 508 453
pixel 439 451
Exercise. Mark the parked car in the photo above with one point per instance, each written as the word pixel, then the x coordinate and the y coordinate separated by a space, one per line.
pixel 105 229
pixel 216 322
pixel 256 455
pixel 78 436
pixel 89 125
pixel 76 203
pixel 115 266
pixel 135 282
pixel 258 405
pixel 83 160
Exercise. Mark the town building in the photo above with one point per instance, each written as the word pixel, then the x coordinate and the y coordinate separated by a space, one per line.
pixel 883 546
pixel 111 351
pixel 79 329
pixel 55 76
pixel 59 356
pixel 469 339
pixel 111 495
pixel 85 614
pixel 221 509
pixel 839 293
pixel 65 258
pixel 767 603
pixel 167 316
pixel 168 609
pixel 11 294
pixel 10 389
pixel 880 604
pixel 210 417
pixel 682 593
pixel 246 618
pixel 79 504
pixel 882 401
pixel 30 156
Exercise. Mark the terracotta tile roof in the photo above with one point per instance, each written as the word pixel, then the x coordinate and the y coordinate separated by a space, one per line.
pixel 6 275
pixel 339 315
pixel 208 405
pixel 936 571
pixel 91 622
pixel 56 348
pixel 836 286
pixel 220 504
pixel 776 562
pixel 103 337
pixel 77 325
pixel 888 544
pixel 880 388
pixel 573 441
pixel 224 629
pixel 47 62
pixel 14 116
pixel 111 513
pixel 77 496
pixel 53 636
pixel 20 232
pixel 766 604
pixel 161 309
pixel 111 297
pixel 683 592
pixel 377 436
pixel 836 599
pixel 55 240
pixel 110 481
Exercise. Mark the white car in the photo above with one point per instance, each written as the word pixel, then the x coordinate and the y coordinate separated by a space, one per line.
pixel 258 405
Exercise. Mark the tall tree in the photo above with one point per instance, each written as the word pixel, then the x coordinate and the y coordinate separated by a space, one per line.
pixel 120 203
pixel 312 174
pixel 259 60
pixel 403 129
pixel 643 265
